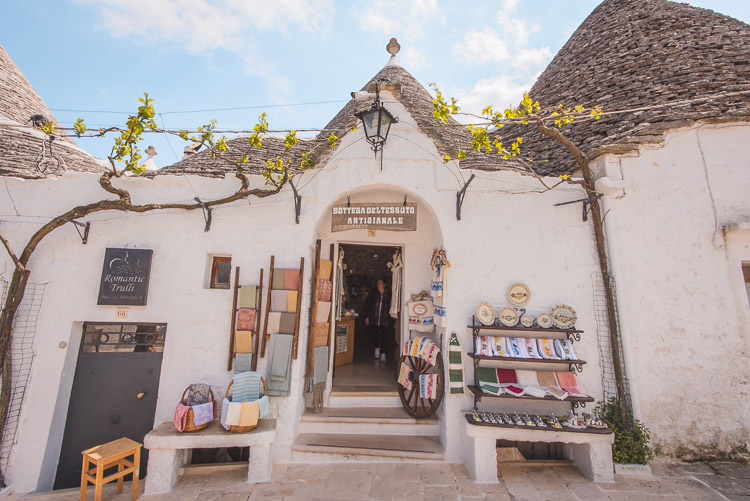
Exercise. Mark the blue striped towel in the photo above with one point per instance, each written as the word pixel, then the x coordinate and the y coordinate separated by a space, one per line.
pixel 246 387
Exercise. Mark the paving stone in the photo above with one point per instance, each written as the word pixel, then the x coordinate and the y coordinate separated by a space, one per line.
pixel 651 487
pixel 381 488
pixel 588 491
pixel 441 493
pixel 407 472
pixel 434 474
pixel 524 491
pixel 696 468
pixel 737 497
pixel 308 489
pixel 408 491
pixel 467 488
pixel 570 475
pixel 727 485
pixel 497 496
pixel 459 471
pixel 279 472
pixel 693 488
pixel 346 485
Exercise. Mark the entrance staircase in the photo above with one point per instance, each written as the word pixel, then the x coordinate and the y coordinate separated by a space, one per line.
pixel 367 426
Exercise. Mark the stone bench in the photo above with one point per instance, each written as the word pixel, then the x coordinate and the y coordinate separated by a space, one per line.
pixel 591 452
pixel 167 451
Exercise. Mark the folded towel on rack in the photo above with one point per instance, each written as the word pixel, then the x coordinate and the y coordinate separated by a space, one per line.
pixel 546 378
pixel 203 413
pixel 180 417
pixel 534 391
pixel 324 269
pixel 249 414
pixel 320 364
pixel 291 301
pixel 287 323
pixel 320 334
pixel 547 349
pixel 527 378
pixel 506 376
pixel 248 296
pixel 500 348
pixel 243 342
pixel 531 348
pixel 556 392
pixel 280 365
pixel 243 362
pixel 514 390
pixel 325 289
pixel 274 322
pixel 291 279
pixel 246 319
pixel 279 279
pixel 566 378
pixel 278 300
pixel 323 312
pixel 567 347
pixel 246 387
pixel 488 380
pixel 514 347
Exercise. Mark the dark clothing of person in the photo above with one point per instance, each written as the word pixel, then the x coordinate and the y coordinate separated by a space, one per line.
pixel 377 311
pixel 377 308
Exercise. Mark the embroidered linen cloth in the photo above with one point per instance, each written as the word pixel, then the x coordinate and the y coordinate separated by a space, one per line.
pixel 403 376
pixel 531 348
pixel 421 316
pixel 455 365
pixel 500 348
pixel 325 289
pixel 547 349
pixel 440 315
pixel 203 413
pixel 245 319
pixel 428 385
pixel 514 347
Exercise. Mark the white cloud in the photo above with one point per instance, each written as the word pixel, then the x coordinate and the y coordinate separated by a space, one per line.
pixel 201 26
pixel 499 91
pixel 397 17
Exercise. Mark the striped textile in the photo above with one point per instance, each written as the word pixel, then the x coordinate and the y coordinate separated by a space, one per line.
pixel 246 387
pixel 455 366
pixel 249 414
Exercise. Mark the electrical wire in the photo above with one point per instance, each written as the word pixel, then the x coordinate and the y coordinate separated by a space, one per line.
pixel 236 108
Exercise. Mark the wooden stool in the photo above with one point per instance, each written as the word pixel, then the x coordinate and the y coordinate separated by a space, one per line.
pixel 107 456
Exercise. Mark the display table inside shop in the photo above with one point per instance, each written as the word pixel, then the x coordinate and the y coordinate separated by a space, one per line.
pixel 168 451
pixel 591 450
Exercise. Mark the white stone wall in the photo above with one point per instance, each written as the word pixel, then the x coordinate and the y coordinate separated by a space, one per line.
pixel 683 304
pixel 510 232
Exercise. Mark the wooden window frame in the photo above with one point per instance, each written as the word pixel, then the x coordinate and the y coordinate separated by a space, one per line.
pixel 214 283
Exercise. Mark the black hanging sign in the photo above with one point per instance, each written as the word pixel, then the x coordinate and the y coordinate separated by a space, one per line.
pixel 125 277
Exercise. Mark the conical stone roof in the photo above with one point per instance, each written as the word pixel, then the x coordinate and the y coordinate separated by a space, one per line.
pixel 20 147
pixel 638 53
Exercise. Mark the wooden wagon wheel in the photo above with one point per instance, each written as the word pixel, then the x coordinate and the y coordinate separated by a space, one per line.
pixel 416 406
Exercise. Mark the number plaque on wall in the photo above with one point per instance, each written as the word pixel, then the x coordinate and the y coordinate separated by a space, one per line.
pixel 125 277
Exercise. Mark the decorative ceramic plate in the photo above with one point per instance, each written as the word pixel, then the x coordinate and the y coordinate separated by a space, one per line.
pixel 519 294
pixel 486 313
pixel 527 320
pixel 508 316
pixel 544 320
pixel 563 316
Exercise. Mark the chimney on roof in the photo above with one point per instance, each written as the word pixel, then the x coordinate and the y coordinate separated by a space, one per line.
pixel 393 47
pixel 150 164
pixel 190 150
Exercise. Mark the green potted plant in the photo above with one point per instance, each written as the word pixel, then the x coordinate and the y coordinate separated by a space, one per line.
pixel 632 450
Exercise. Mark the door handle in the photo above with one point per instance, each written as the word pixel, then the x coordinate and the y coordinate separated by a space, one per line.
pixel 140 395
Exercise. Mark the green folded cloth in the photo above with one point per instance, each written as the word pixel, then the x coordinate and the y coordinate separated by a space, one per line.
pixel 487 378
pixel 248 296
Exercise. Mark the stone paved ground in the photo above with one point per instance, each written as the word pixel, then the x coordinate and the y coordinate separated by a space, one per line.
pixel 671 482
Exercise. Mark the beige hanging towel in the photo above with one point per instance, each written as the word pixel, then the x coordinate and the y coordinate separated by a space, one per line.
pixel 248 295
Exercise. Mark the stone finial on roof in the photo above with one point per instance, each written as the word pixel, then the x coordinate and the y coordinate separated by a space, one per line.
pixel 393 47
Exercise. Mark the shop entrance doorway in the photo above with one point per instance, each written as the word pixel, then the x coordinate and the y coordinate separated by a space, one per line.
pixel 355 338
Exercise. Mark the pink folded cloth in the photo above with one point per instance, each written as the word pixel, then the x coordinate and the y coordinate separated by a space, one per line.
pixel 245 319
pixel 574 391
pixel 291 279
pixel 566 379
pixel 325 287
pixel 514 390
pixel 180 417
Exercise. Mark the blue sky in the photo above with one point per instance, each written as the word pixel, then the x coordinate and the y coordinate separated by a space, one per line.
pixel 93 56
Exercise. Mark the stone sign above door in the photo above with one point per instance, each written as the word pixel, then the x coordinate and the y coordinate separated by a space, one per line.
pixel 374 216
pixel 125 277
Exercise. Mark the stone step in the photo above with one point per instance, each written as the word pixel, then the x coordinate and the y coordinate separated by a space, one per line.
pixel 364 396
pixel 368 420
pixel 391 446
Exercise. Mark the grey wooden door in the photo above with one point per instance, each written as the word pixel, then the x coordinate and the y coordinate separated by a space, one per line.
pixel 114 393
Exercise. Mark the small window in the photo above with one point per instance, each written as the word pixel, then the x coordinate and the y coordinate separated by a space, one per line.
pixel 746 273
pixel 221 269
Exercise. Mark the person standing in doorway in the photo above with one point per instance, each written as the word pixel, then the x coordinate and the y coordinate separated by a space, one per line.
pixel 377 306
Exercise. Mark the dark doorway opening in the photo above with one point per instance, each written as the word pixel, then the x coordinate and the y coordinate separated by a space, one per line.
pixel 114 392
pixel 364 265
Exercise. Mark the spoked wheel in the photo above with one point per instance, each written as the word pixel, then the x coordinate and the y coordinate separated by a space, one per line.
pixel 416 406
